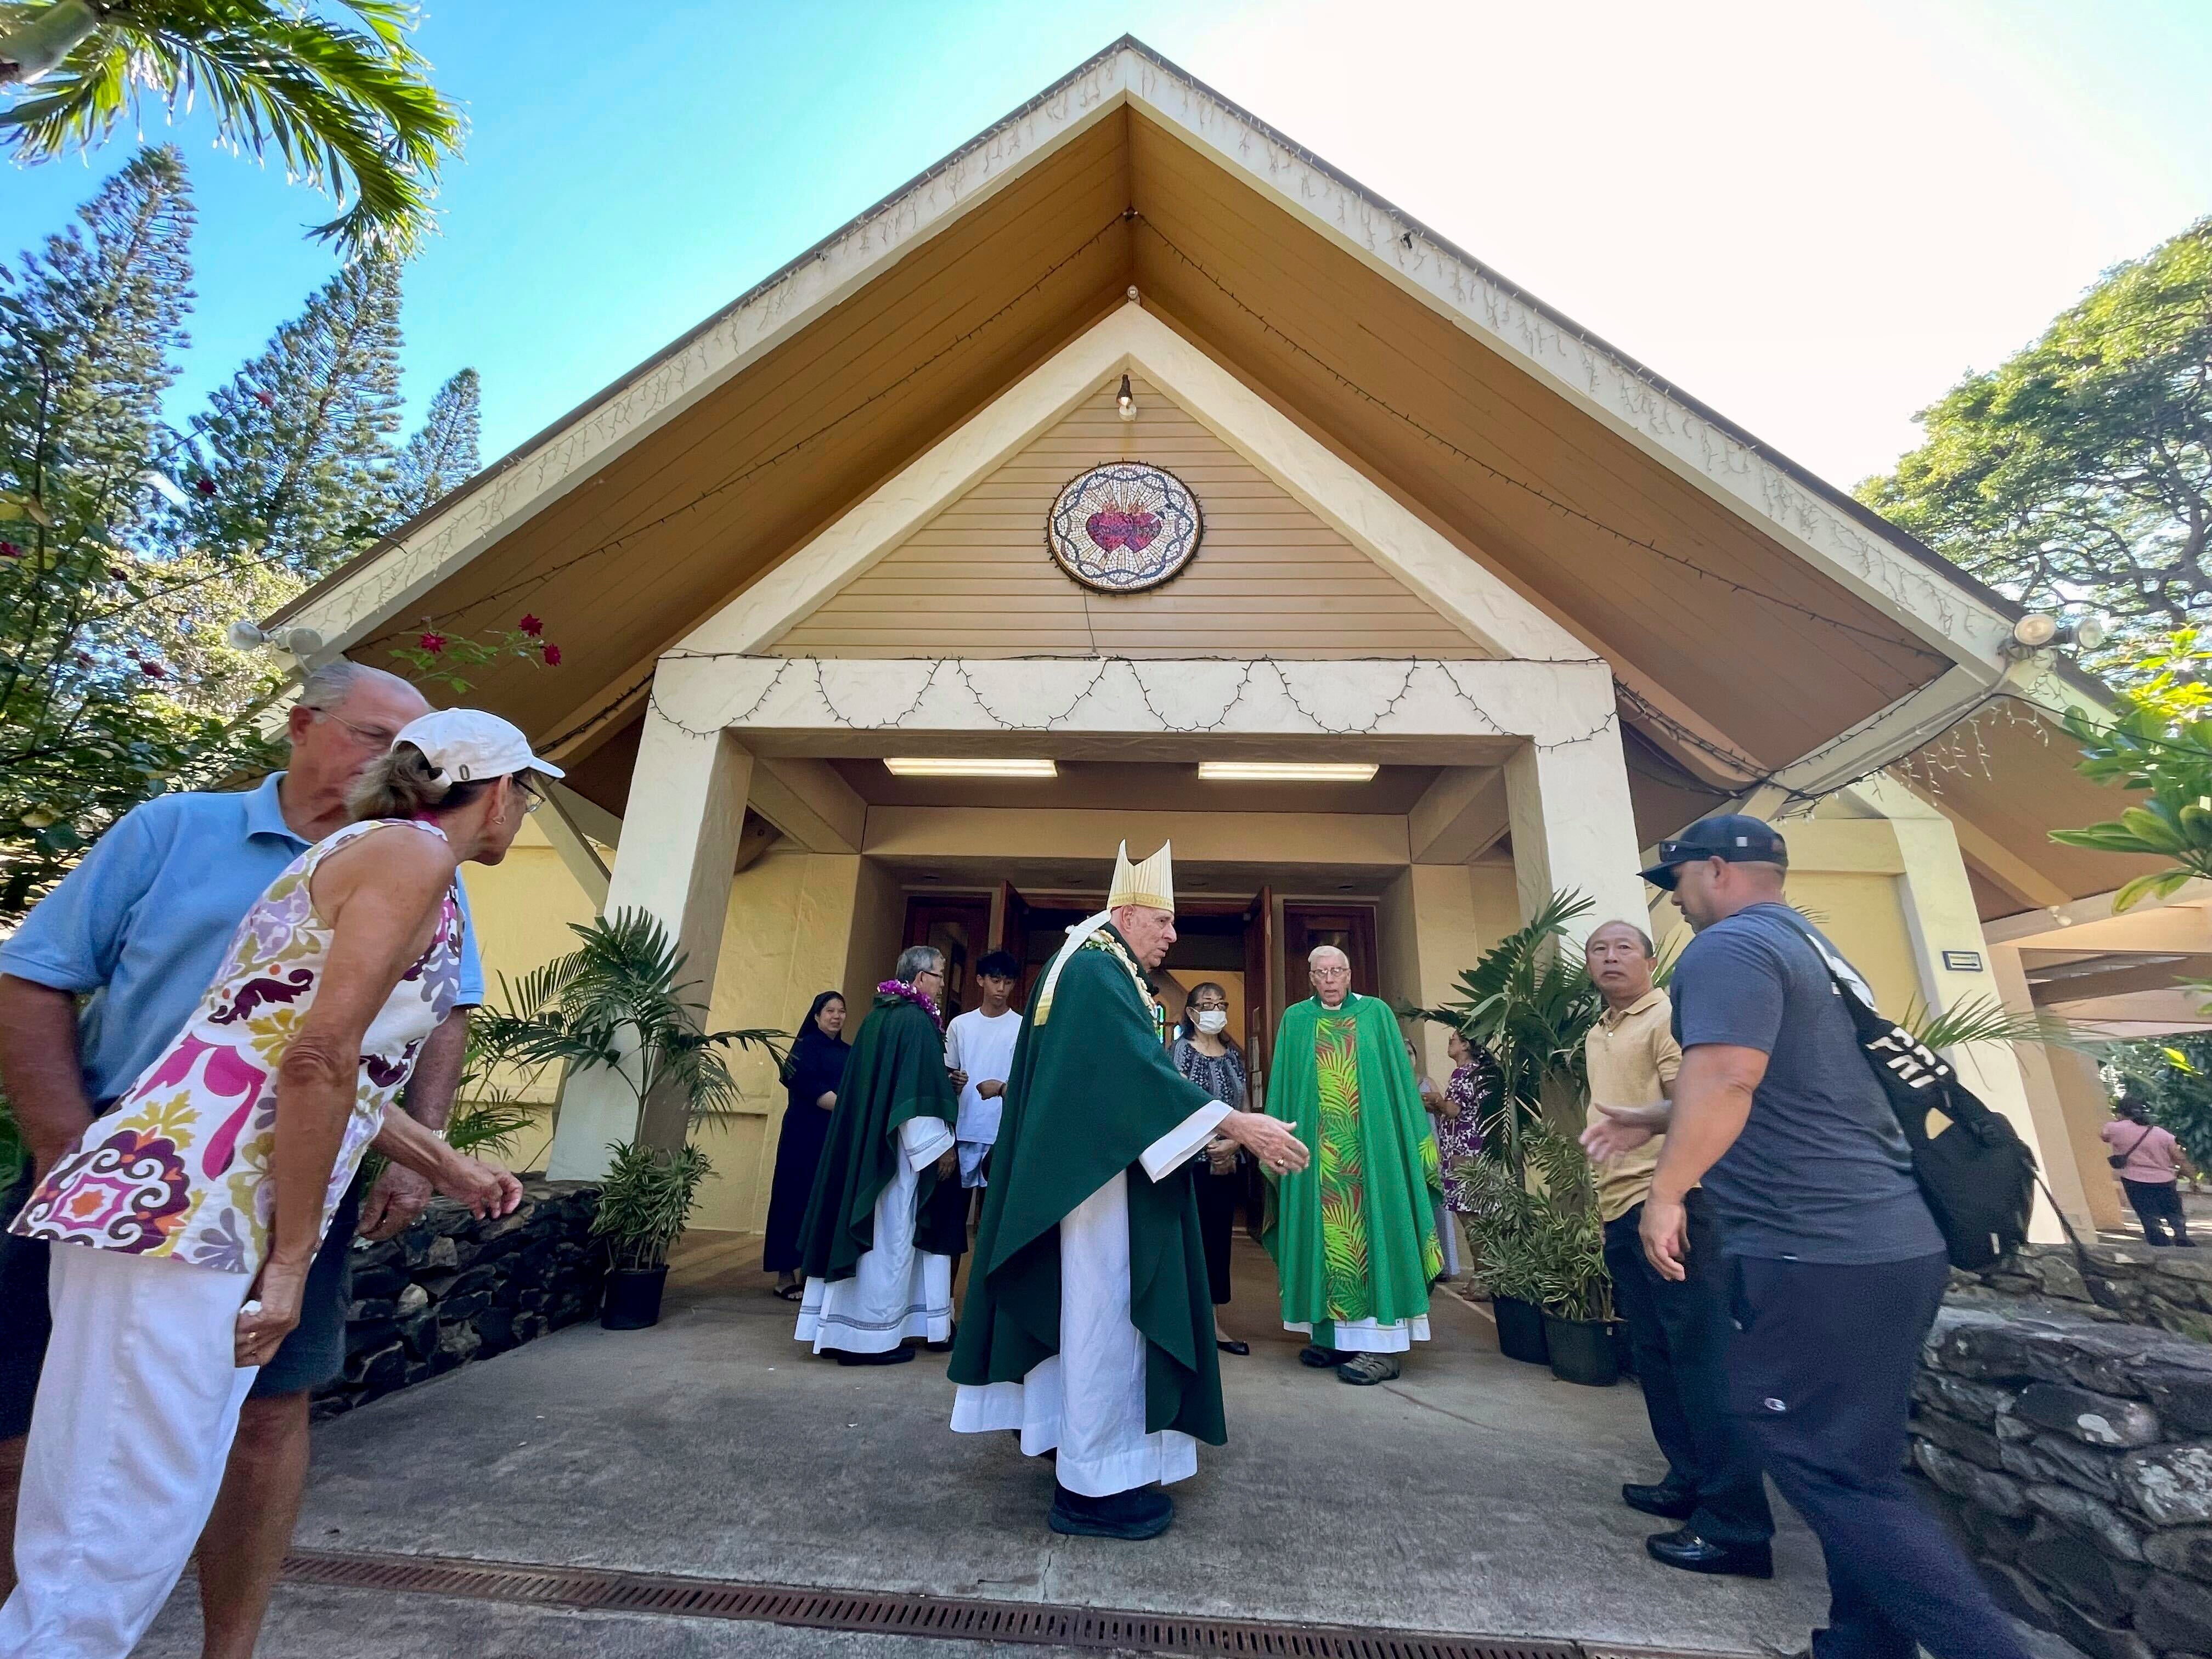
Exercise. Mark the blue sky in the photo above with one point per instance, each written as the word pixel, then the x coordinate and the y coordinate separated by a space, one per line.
pixel 1814 218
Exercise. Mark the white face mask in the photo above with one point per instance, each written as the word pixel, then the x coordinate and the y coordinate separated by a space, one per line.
pixel 1211 1020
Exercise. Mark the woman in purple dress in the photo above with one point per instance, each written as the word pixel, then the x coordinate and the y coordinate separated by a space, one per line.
pixel 1470 1095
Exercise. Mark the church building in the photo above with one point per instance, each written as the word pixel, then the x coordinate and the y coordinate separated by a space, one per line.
pixel 1133 474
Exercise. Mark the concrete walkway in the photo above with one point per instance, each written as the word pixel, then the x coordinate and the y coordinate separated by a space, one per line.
pixel 1475 1495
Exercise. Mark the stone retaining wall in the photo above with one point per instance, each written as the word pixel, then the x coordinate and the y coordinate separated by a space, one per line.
pixel 451 1289
pixel 2169 1288
pixel 2077 1456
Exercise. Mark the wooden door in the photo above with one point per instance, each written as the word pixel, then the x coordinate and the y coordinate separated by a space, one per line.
pixel 1259 1002
pixel 1350 927
pixel 956 924
pixel 1013 936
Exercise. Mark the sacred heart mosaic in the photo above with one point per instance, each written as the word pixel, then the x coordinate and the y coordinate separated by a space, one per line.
pixel 1124 527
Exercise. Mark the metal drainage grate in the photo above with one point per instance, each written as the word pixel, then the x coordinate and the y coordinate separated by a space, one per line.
pixel 953 1619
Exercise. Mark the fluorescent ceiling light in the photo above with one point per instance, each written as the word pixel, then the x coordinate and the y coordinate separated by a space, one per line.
pixel 1289 771
pixel 911 766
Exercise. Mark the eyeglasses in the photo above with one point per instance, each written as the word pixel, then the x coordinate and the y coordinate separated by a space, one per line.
pixel 374 736
pixel 532 800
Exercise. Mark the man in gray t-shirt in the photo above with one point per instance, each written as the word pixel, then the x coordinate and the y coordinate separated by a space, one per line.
pixel 1838 1267
pixel 1820 1171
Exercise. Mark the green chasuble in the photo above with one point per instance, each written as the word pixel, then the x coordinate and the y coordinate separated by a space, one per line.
pixel 896 1072
pixel 1090 1088
pixel 1354 1234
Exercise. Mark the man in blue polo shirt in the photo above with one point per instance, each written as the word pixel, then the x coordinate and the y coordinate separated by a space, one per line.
pixel 137 931
pixel 1837 1266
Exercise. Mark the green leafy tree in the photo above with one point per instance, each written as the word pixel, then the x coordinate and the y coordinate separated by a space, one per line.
pixel 337 91
pixel 2171 1076
pixel 92 719
pixel 2079 471
pixel 2158 743
pixel 293 466
pixel 442 455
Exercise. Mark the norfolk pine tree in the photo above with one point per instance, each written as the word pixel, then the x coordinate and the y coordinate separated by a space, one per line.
pixel 89 721
pixel 442 455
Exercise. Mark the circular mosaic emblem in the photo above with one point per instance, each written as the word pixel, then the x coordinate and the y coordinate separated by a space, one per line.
pixel 1124 527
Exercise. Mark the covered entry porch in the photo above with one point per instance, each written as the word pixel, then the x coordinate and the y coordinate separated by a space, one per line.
pixel 1495 784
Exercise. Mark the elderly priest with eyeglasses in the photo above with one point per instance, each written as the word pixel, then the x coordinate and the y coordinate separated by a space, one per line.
pixel 1089 1327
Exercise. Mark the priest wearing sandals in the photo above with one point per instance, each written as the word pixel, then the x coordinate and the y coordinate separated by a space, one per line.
pixel 877 1254
pixel 1088 1324
pixel 1354 1238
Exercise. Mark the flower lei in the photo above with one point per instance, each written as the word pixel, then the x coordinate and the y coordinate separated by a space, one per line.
pixel 907 993
pixel 1102 940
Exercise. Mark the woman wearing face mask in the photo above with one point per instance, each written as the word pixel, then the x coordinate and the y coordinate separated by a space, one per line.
pixel 1207 1056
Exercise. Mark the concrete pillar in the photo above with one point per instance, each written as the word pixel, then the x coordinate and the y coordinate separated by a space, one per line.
pixel 1954 962
pixel 1574 828
pixel 679 847
pixel 2077 1174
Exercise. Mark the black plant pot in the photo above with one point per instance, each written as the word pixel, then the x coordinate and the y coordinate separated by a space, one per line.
pixel 1581 1351
pixel 633 1299
pixel 1520 1329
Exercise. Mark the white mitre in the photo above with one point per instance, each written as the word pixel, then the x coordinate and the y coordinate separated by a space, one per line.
pixel 1150 883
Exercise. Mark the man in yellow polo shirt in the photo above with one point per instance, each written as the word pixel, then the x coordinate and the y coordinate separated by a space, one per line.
pixel 1680 1330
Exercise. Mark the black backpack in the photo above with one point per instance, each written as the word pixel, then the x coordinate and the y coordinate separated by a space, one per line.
pixel 1976 1175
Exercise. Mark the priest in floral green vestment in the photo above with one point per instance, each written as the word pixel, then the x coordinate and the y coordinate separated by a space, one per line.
pixel 878 1257
pixel 1089 1326
pixel 1354 1237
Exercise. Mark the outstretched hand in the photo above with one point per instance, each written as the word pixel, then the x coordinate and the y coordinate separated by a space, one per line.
pixel 489 1190
pixel 1273 1141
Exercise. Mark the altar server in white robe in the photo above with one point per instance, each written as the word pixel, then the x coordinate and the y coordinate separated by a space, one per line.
pixel 1089 1324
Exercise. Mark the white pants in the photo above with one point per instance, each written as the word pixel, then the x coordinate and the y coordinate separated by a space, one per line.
pixel 136 1405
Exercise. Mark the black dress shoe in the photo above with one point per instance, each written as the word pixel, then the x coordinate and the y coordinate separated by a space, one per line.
pixel 1667 1503
pixel 894 1357
pixel 1692 1553
pixel 1229 1345
pixel 1321 1358
pixel 1146 1512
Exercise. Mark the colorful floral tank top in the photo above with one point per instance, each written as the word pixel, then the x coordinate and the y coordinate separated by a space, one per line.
pixel 181 1167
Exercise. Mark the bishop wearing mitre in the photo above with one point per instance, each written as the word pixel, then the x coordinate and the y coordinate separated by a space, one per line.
pixel 1088 1324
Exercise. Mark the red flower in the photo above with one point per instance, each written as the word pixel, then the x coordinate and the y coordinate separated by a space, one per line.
pixel 83 660
pixel 152 671
pixel 434 643
pixel 264 400
pixel 552 656
pixel 531 625
pixel 9 550
pixel 204 485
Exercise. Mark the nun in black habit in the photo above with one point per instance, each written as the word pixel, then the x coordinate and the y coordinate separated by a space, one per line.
pixel 811 1076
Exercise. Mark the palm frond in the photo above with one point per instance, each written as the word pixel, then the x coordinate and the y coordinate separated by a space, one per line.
pixel 349 110
pixel 1985 1019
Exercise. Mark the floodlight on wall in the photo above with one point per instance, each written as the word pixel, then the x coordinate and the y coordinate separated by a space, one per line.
pixel 2038 629
pixel 1125 401
pixel 300 642
pixel 918 766
pixel 1288 771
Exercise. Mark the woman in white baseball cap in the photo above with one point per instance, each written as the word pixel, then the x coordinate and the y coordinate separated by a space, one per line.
pixel 194 1208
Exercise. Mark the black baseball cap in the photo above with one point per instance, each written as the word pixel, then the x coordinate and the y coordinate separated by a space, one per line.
pixel 1735 836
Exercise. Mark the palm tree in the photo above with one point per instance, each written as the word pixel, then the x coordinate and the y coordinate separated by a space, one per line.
pixel 1528 1000
pixel 619 1002
pixel 348 108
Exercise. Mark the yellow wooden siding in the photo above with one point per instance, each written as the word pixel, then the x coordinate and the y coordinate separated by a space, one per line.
pixel 1269 577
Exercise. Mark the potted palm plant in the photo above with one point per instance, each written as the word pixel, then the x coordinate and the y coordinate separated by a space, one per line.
pixel 644 1201
pixel 1529 1001
pixel 1567 1239
pixel 619 1003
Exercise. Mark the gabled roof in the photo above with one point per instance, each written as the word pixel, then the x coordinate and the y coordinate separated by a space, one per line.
pixel 1752 611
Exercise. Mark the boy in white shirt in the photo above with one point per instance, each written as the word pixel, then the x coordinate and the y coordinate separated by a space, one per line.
pixel 978 1052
